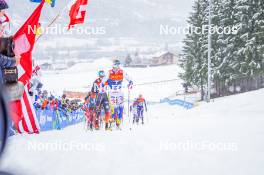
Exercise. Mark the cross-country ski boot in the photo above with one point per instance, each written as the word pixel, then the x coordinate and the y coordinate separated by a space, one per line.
pixel 96 126
pixel 118 123
pixel 107 127
pixel 91 126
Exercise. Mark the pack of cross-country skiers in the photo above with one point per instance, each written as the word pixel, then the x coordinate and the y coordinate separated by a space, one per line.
pixel 107 97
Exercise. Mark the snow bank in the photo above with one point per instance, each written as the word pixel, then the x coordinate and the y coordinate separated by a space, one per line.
pixel 223 137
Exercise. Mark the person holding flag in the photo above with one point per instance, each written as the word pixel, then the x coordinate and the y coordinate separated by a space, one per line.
pixel 5 61
pixel 23 113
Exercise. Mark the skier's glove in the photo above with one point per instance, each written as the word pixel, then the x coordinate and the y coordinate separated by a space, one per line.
pixel 130 85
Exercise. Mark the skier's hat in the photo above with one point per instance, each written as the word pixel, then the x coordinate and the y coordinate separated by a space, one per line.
pixel 101 73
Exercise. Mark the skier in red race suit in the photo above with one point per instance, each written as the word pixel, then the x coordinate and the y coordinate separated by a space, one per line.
pixel 90 111
pixel 99 87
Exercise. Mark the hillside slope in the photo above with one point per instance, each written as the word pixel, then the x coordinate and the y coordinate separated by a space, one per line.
pixel 223 137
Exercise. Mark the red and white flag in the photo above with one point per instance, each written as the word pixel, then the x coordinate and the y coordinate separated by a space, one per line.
pixel 77 12
pixel 22 111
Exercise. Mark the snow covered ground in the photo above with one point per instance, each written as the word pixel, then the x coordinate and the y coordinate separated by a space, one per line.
pixel 223 137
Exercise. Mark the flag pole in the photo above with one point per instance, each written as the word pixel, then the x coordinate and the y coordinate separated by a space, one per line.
pixel 56 18
pixel 50 24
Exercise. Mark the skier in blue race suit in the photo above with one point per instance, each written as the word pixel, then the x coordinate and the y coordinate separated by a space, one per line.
pixel 116 94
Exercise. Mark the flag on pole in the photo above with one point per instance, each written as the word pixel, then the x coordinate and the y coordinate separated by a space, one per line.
pixel 23 113
pixel 77 12
pixel 51 2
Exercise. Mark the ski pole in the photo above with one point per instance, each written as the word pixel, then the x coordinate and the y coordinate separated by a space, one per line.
pixel 128 104
pixel 147 117
pixel 146 109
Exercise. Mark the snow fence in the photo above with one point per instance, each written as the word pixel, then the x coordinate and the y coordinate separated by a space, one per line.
pixel 55 119
pixel 179 102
